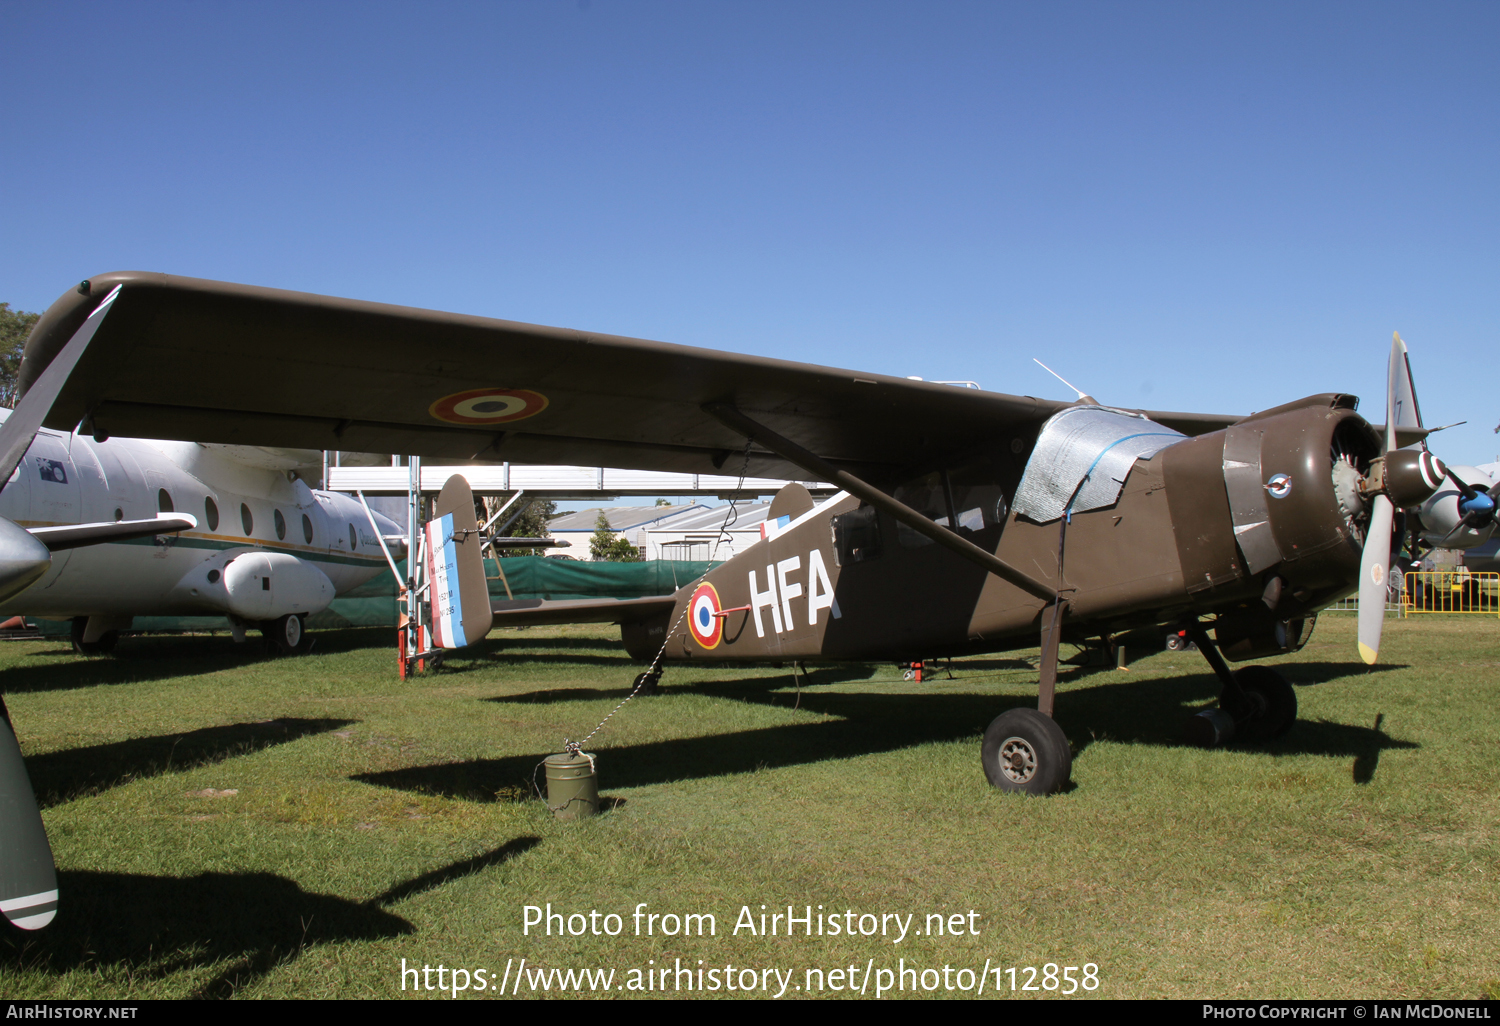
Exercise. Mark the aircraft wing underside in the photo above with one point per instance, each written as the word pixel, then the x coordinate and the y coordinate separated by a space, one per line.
pixel 209 361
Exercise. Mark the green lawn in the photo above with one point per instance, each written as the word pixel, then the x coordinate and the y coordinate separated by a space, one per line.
pixel 225 823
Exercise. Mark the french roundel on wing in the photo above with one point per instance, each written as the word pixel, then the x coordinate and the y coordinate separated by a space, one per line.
pixel 707 628
pixel 486 406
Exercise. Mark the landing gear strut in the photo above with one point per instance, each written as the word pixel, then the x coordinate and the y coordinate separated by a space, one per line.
pixel 103 645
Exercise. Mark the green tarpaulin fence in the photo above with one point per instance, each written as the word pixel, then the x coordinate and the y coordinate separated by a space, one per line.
pixel 373 604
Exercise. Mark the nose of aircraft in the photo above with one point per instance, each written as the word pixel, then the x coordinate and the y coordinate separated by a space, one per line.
pixel 23 560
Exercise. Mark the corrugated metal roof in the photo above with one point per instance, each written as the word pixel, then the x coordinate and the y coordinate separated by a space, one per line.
pixel 747 517
pixel 621 518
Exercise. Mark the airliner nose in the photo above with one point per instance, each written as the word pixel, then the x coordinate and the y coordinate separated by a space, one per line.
pixel 23 560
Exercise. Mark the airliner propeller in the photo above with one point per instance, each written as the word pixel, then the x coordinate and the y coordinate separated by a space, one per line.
pixel 1477 509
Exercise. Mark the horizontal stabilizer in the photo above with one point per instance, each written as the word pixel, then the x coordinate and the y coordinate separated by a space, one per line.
pixel 72 536
pixel 539 612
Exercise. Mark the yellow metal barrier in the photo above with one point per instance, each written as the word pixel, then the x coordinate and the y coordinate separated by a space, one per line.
pixel 1451 591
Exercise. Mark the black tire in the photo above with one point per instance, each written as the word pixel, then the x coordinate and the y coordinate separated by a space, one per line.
pixel 1272 704
pixel 104 645
pixel 284 636
pixel 1027 752
pixel 646 684
pixel 1175 643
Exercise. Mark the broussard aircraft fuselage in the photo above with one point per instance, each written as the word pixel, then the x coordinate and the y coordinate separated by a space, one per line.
pixel 266 551
pixel 970 521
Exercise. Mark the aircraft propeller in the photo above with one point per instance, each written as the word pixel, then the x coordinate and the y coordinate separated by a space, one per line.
pixel 28 879
pixel 1402 478
pixel 1477 507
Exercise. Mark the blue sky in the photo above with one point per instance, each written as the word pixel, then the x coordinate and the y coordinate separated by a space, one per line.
pixel 1182 206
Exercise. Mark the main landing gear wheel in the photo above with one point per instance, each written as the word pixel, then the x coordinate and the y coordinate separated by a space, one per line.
pixel 104 645
pixel 283 636
pixel 1027 752
pixel 646 684
pixel 1272 704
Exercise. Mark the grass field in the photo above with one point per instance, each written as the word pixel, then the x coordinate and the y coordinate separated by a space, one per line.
pixel 229 824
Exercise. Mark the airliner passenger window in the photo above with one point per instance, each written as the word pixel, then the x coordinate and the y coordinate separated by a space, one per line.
pixel 280 522
pixel 163 500
pixel 247 520
pixel 307 528
pixel 211 512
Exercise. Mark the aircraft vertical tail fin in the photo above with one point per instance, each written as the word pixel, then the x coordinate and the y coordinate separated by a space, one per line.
pixel 461 613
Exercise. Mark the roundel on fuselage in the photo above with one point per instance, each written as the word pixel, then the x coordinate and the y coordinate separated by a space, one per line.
pixel 703 619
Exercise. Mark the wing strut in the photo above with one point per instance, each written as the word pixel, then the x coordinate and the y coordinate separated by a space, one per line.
pixel 824 471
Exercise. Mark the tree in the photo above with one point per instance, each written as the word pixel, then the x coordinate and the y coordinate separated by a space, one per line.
pixel 604 545
pixel 15 326
pixel 532 523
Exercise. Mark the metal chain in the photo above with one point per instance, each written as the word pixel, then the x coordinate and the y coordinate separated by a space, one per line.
pixel 576 747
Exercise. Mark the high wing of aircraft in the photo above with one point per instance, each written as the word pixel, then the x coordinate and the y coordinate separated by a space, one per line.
pixel 969 521
pixel 251 541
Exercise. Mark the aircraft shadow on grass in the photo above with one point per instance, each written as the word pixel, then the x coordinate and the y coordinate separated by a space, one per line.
pixel 71 773
pixel 499 646
pixel 1149 712
pixel 162 657
pixel 151 927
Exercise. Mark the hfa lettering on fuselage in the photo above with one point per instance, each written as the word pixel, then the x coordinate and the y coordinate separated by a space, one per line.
pixel 781 590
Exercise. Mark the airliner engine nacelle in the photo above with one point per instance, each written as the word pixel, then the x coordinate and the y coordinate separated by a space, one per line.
pixel 1440 515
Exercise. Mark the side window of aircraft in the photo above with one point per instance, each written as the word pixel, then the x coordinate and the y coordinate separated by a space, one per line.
pixel 353 539
pixel 211 511
pixel 163 500
pixel 247 520
pixel 307 528
pixel 925 495
pixel 977 501
pixel 856 535
pixel 978 496
pixel 280 522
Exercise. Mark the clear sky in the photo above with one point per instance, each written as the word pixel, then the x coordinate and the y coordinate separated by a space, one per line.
pixel 1198 206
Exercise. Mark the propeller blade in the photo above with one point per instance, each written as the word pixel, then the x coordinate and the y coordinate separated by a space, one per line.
pixel 26 419
pixel 28 881
pixel 1397 383
pixel 1372 578
pixel 1469 490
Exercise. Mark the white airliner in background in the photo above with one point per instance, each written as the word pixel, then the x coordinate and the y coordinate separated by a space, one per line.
pixel 263 548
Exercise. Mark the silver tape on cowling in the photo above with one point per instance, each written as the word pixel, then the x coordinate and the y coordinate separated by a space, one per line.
pixel 1082 457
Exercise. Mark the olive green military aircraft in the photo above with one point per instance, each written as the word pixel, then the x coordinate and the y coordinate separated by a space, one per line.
pixel 969 521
